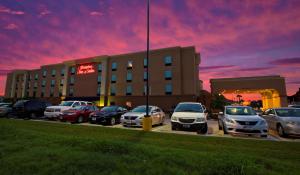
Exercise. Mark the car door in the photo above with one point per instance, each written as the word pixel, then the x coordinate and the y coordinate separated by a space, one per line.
pixel 155 116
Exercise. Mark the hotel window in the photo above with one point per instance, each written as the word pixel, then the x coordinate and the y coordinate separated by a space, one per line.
pixel 99 67
pixel 72 80
pixel 62 81
pixel 113 78
pixel 43 83
pixel 71 92
pixel 36 76
pixel 53 73
pixel 128 90
pixel 114 66
pixel 112 90
pixel 129 77
pixel 44 73
pixel 145 76
pixel 29 85
pixel 60 92
pixel 98 90
pixel 145 90
pixel 168 75
pixel 52 83
pixel 168 60
pixel 73 70
pixel 51 92
pixel 99 79
pixel 30 77
pixel 129 65
pixel 42 92
pixel 145 62
pixel 62 72
pixel 168 89
pixel 35 85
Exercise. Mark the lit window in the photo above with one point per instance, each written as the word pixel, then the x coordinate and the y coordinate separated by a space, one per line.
pixel 168 60
pixel 112 90
pixel 99 67
pixel 113 78
pixel 73 70
pixel 71 92
pixel 98 90
pixel 145 62
pixel 36 77
pixel 145 76
pixel 43 83
pixel 129 77
pixel 114 66
pixel 52 83
pixel 72 80
pixel 129 65
pixel 62 72
pixel 53 73
pixel 168 89
pixel 44 73
pixel 128 90
pixel 168 75
pixel 99 79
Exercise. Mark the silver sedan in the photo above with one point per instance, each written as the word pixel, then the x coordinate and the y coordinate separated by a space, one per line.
pixel 286 121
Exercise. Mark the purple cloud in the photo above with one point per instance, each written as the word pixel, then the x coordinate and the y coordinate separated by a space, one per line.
pixel 286 61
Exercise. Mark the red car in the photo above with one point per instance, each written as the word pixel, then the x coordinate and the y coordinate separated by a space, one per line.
pixel 78 114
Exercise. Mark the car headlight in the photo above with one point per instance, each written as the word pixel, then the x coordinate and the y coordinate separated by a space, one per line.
pixel 174 118
pixel 229 120
pixel 291 123
pixel 201 119
pixel 262 122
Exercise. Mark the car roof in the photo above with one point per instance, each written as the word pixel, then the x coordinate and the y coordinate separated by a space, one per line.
pixel 190 103
pixel 237 106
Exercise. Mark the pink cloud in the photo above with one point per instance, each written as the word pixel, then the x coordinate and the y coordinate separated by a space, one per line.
pixel 4 9
pixel 11 26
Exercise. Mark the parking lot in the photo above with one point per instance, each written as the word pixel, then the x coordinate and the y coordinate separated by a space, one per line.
pixel 213 130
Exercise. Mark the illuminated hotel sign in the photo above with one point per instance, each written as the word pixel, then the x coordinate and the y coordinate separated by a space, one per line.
pixel 85 69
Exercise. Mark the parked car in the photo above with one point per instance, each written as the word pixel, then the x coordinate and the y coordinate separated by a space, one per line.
pixel 189 116
pixel 108 115
pixel 52 112
pixel 29 108
pixel 77 114
pixel 294 106
pixel 136 116
pixel 286 121
pixel 5 109
pixel 1 104
pixel 242 120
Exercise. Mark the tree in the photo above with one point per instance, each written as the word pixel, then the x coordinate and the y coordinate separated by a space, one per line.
pixel 219 102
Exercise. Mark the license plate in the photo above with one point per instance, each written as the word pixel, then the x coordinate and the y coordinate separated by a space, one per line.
pixel 94 118
pixel 61 117
pixel 186 126
pixel 247 127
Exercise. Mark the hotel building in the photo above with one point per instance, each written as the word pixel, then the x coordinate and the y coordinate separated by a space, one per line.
pixel 116 79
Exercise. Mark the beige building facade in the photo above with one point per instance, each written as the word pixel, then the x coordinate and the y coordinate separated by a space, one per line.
pixel 117 79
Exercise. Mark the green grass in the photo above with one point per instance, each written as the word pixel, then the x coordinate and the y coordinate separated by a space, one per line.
pixel 29 147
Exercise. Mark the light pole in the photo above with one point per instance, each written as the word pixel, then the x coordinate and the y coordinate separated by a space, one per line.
pixel 147 122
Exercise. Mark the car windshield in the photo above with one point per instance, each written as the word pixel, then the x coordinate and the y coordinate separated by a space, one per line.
pixel 109 109
pixel 288 112
pixel 20 103
pixel 66 103
pixel 79 108
pixel 189 108
pixel 141 109
pixel 240 111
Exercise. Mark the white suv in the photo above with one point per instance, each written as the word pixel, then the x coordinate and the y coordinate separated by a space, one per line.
pixel 190 115
pixel 52 112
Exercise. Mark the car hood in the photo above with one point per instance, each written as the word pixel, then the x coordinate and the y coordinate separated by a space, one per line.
pixel 188 114
pixel 245 117
pixel 138 114
pixel 291 119
pixel 60 107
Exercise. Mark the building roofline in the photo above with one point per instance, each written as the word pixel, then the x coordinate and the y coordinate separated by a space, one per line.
pixel 248 78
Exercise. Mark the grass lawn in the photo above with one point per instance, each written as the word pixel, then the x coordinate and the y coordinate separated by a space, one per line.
pixel 30 147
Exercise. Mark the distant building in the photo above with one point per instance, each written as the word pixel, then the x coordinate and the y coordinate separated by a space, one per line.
pixel 116 79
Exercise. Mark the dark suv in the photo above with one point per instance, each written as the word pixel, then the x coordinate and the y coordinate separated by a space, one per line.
pixel 29 108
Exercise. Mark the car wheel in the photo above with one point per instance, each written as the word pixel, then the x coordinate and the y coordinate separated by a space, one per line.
pixel 112 121
pixel 80 119
pixel 280 131
pixel 264 136
pixel 173 128
pixel 203 129
pixel 224 129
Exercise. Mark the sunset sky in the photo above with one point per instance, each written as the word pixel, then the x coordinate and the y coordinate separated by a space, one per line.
pixel 235 37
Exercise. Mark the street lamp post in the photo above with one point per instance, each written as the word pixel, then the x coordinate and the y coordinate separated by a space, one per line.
pixel 147 122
